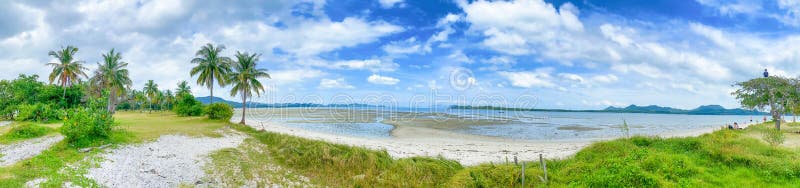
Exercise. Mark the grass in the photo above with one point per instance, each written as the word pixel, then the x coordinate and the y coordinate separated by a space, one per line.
pixel 64 163
pixel 149 126
pixel 24 131
pixel 725 158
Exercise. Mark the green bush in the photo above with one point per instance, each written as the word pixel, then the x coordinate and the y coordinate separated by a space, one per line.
pixel 37 112
pixel 187 105
pixel 220 111
pixel 773 136
pixel 26 131
pixel 83 126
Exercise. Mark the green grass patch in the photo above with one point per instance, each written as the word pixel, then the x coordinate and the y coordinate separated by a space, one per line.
pixel 24 131
pixel 150 126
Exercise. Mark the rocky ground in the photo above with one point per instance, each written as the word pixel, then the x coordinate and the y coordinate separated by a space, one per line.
pixel 15 152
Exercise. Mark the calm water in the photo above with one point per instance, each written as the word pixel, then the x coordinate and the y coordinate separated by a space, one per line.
pixel 541 125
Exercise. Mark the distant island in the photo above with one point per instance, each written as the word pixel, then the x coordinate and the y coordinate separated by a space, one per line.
pixel 651 109
pixel 207 100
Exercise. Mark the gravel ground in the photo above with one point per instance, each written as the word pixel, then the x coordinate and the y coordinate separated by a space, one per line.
pixel 4 123
pixel 170 161
pixel 26 149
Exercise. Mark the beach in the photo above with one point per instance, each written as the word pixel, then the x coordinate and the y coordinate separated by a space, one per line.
pixel 468 149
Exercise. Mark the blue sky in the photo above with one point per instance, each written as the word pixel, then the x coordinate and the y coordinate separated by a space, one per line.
pixel 525 53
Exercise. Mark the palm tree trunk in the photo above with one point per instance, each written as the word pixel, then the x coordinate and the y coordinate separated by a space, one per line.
pixel 244 107
pixel 110 102
pixel 211 101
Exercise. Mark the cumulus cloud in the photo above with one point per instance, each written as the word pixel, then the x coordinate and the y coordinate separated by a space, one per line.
pixel 529 79
pixel 390 3
pixel 382 80
pixel 375 65
pixel 339 83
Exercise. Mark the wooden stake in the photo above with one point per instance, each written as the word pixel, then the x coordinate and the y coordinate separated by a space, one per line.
pixel 544 166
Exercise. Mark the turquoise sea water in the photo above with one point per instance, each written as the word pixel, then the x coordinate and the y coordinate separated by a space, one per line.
pixel 526 125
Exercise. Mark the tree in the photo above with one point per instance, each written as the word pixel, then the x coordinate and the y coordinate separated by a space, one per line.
pixel 112 75
pixel 151 90
pixel 777 93
pixel 244 78
pixel 67 71
pixel 169 99
pixel 210 66
pixel 183 87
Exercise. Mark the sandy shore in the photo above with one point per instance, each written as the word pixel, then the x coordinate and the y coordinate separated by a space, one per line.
pixel 415 141
pixel 408 141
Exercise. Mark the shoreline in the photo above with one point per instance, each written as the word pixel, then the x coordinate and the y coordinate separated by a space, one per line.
pixel 411 141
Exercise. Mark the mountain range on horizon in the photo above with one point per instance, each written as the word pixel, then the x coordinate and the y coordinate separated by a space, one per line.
pixel 651 109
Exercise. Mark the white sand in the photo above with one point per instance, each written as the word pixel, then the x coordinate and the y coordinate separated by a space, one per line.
pixel 464 148
pixel 414 141
pixel 168 162
pixel 26 149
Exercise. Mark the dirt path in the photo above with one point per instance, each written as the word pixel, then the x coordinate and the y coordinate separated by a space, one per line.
pixel 16 152
pixel 170 161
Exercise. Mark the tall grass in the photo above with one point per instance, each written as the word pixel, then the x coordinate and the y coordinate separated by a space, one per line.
pixel 721 159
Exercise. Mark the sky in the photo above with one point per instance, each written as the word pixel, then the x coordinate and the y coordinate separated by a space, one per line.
pixel 526 53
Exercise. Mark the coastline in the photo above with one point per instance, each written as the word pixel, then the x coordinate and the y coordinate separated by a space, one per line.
pixel 410 141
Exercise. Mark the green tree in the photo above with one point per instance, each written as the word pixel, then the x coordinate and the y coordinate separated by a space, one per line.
pixel 244 78
pixel 169 99
pixel 183 87
pixel 67 71
pixel 211 65
pixel 112 75
pixel 151 90
pixel 777 93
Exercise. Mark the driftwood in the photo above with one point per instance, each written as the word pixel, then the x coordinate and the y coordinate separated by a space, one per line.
pixel 84 150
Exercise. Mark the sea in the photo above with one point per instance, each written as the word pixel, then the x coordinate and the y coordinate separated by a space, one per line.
pixel 538 125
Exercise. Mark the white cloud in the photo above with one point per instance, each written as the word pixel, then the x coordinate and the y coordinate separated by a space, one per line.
pixel 529 79
pixel 614 33
pixel 375 65
pixel 382 80
pixel 504 23
pixel 408 46
pixel 294 75
pixel 390 3
pixel 339 83
pixel 609 78
pixel 712 34
pixel 311 38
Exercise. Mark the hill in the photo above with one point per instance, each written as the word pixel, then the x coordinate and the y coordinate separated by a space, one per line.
pixel 207 100
pixel 650 109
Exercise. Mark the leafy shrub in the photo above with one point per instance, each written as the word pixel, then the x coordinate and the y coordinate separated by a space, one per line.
pixel 26 131
pixel 37 112
pixel 187 105
pixel 83 126
pixel 220 111
pixel 773 136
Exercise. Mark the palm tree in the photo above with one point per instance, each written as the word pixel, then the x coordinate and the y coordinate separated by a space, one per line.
pixel 211 65
pixel 67 70
pixel 113 76
pixel 244 78
pixel 151 90
pixel 169 98
pixel 183 87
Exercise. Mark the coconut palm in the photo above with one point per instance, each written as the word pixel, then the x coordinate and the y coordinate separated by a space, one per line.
pixel 67 71
pixel 244 78
pixel 151 90
pixel 211 65
pixel 169 98
pixel 183 87
pixel 112 75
